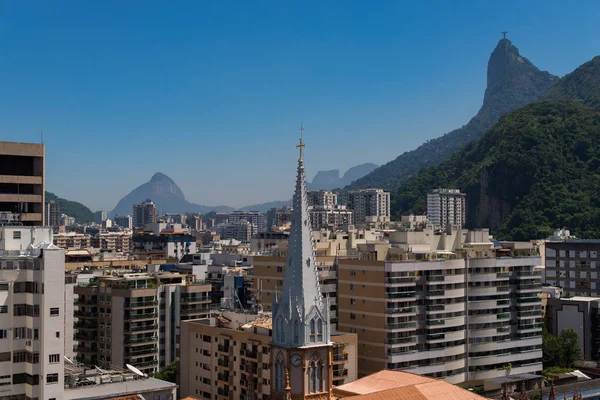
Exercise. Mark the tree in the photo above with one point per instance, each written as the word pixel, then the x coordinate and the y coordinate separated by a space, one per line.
pixel 569 343
pixel 168 373
pixel 551 350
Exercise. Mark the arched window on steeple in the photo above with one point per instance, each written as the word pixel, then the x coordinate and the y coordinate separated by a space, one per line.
pixel 319 330
pixel 312 383
pixel 312 330
pixel 319 377
pixel 279 376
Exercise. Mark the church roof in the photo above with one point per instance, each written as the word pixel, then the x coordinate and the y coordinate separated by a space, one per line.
pixel 400 385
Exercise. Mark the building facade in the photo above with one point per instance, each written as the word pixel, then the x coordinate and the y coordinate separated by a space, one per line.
pixel 124 221
pixel 53 214
pixel 241 230
pixel 255 218
pixel 580 314
pixel 32 314
pixel 369 205
pixel 22 183
pixel 133 318
pixel 446 207
pixel 322 198
pixel 101 216
pixel 330 217
pixel 144 213
pixel 573 265
pixel 461 316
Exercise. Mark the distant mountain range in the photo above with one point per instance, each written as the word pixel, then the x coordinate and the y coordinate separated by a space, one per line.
pixel 512 82
pixel 534 171
pixel 168 197
pixel 327 180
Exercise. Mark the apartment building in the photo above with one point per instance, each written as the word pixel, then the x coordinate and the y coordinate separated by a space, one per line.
pixel 144 213
pixel 242 343
pixel 124 221
pixel 66 220
pixel 164 245
pixel 255 218
pixel 22 183
pixel 133 318
pixel 101 216
pixel 461 315
pixel 369 206
pixel 32 282
pixel 53 214
pixel 573 265
pixel 321 198
pixel 267 280
pixel 446 207
pixel 331 217
pixel 120 242
pixel 241 230
pixel 72 240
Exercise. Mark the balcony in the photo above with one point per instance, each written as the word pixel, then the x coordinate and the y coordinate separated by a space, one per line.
pixel 340 358
pixel 86 350
pixel 534 299
pixel 85 314
pixel 223 363
pixel 86 336
pixel 143 328
pixel 152 315
pixel 141 304
pixel 85 325
pixel 223 377
pixel 404 310
pixel 195 300
pixel 146 364
pixel 139 341
pixel 403 325
pixel 79 302
pixel 250 354
pixel 340 373
pixel 224 348
pixel 400 295
pixel 395 280
pixel 141 352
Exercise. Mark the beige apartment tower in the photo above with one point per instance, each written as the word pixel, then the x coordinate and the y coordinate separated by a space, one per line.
pixel 22 184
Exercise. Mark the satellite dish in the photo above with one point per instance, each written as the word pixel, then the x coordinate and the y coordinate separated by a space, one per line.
pixel 67 359
pixel 136 371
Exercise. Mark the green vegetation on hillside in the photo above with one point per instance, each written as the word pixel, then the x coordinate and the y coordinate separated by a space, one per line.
pixel 537 169
pixel 582 85
pixel 513 81
pixel 72 208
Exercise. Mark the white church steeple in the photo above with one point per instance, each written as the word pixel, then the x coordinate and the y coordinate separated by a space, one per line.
pixel 301 316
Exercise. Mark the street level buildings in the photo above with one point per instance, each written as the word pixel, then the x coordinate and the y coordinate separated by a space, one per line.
pixel 446 207
pixel 32 314
pixel 22 183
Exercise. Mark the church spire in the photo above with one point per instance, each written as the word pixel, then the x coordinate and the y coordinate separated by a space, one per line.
pixel 300 317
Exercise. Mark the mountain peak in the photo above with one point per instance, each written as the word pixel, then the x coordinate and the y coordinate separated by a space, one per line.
pixel 160 177
pixel 504 55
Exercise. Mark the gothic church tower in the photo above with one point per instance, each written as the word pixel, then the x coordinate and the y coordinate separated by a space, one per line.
pixel 301 361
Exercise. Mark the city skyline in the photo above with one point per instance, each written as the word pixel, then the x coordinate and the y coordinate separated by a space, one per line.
pixel 222 89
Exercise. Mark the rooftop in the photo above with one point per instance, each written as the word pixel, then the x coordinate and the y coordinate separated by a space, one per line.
pixel 399 385
pixel 118 390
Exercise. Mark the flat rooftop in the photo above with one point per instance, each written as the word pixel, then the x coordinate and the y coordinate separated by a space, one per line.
pixel 116 389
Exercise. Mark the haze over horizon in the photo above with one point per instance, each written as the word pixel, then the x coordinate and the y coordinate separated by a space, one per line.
pixel 212 95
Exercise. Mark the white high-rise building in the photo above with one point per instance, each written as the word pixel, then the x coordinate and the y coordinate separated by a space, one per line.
pixel 446 207
pixel 32 314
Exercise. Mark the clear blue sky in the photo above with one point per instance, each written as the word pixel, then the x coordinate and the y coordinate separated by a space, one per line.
pixel 212 93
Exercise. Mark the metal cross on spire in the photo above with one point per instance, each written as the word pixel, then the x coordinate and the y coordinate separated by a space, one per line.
pixel 504 34
pixel 301 145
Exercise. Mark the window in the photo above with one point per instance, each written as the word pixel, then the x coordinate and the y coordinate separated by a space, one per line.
pixel 58 334
pixel 3 333
pixel 352 286
pixel 352 316
pixel 19 333
pixel 5 356
pixel 3 309
pixel 52 378
pixel 16 234
pixel 4 287
pixel 352 301
pixel 54 312
pixel 54 358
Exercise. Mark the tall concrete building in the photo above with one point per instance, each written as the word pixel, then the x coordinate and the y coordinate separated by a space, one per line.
pixel 445 305
pixel 124 221
pixel 133 318
pixel 101 216
pixel 144 213
pixel 241 230
pixel 22 183
pixel 573 265
pixel 446 207
pixel 53 214
pixel 369 206
pixel 32 314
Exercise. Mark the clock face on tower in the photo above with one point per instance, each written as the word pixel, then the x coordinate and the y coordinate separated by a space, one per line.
pixel 296 360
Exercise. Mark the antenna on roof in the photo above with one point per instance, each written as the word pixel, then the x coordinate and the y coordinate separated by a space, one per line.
pixel 42 137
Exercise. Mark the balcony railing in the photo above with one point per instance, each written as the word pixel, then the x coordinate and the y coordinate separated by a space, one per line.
pixel 141 340
pixel 187 300
pixel 404 310
pixel 340 357
pixel 403 340
pixel 139 352
pixel 399 295
pixel 143 328
pixel 141 316
pixel 152 303
pixel 402 325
